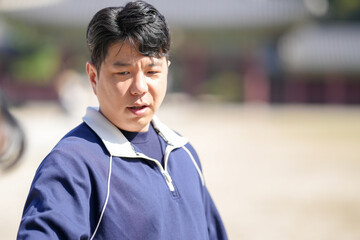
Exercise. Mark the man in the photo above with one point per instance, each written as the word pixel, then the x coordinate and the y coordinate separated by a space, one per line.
pixel 122 174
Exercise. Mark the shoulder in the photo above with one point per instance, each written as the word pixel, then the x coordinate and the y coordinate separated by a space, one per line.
pixel 82 140
pixel 78 151
pixel 188 146
pixel 191 150
pixel 80 135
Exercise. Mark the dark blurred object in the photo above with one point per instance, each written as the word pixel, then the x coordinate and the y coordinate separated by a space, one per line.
pixel 12 139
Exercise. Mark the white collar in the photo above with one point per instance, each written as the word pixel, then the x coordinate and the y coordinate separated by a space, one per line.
pixel 116 143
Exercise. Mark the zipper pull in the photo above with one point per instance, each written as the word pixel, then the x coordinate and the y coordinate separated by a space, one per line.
pixel 168 180
pixel 132 147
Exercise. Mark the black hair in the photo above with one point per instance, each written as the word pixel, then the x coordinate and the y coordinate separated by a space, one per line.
pixel 138 22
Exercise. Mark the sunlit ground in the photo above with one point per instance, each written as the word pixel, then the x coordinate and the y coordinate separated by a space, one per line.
pixel 280 172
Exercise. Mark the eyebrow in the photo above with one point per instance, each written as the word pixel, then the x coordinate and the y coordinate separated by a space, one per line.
pixel 121 64
pixel 154 63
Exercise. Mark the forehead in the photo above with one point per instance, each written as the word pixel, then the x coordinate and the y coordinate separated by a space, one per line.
pixel 125 52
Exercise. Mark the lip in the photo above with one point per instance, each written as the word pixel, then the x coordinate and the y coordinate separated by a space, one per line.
pixel 138 109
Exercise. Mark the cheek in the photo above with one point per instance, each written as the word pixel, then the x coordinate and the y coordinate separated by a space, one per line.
pixel 120 89
pixel 160 90
pixel 164 89
pixel 114 90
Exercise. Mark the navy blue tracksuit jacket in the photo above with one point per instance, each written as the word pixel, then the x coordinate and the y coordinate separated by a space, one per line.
pixel 96 185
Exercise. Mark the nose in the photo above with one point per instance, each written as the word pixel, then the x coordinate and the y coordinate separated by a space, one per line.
pixel 139 85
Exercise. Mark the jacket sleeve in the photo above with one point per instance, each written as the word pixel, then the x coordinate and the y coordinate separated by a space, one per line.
pixel 58 204
pixel 215 225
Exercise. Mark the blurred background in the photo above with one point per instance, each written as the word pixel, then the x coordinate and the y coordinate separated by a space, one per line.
pixel 268 92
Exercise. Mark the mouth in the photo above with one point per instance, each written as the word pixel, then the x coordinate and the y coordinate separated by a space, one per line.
pixel 138 109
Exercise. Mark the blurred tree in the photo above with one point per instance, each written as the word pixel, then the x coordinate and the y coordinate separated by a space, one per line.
pixel 37 67
pixel 344 10
pixel 226 86
pixel 33 58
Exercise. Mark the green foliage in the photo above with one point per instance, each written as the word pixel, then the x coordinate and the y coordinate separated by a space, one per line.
pixel 345 10
pixel 225 86
pixel 35 57
pixel 36 67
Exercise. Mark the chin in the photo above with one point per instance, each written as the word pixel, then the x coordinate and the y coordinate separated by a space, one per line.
pixel 139 127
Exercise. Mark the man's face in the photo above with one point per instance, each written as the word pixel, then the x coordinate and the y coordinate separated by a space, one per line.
pixel 130 87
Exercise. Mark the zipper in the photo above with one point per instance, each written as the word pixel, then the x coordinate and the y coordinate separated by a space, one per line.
pixel 163 170
pixel 168 181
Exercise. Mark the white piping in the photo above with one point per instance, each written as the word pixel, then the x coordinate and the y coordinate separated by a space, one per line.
pixel 196 165
pixel 106 200
pixel 168 150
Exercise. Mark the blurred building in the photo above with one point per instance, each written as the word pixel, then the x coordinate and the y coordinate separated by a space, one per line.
pixel 270 51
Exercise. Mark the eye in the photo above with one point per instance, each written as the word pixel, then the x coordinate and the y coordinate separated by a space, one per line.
pixel 153 72
pixel 123 73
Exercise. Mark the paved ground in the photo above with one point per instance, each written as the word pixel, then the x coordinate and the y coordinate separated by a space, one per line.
pixel 275 172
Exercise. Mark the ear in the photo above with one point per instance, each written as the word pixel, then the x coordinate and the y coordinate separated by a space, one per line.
pixel 168 62
pixel 92 74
